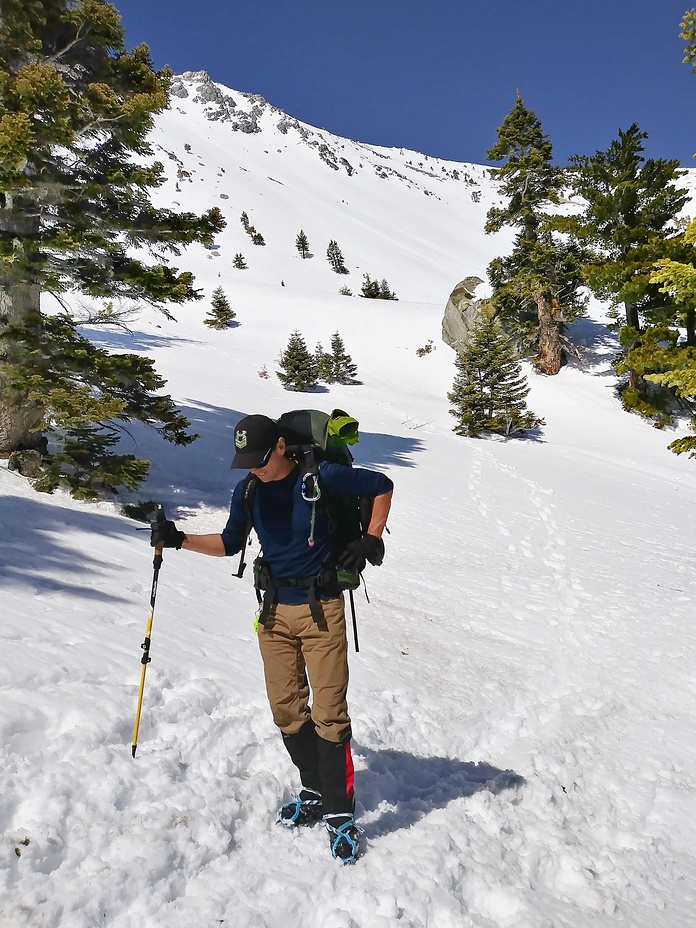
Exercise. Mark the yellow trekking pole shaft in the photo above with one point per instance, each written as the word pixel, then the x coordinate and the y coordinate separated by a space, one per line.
pixel 145 660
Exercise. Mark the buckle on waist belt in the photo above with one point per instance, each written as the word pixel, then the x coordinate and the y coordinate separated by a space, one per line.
pixel 265 583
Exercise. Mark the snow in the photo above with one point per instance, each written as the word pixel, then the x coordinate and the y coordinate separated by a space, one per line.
pixel 523 700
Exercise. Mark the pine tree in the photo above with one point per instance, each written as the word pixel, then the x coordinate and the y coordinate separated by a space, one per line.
pixel 489 391
pixel 258 239
pixel 322 360
pixel 239 262
pixel 535 288
pixel 244 219
pixel 628 223
pixel 335 258
pixel 302 244
pixel 75 108
pixel 678 279
pixel 221 315
pixel 376 290
pixel 370 288
pixel 343 369
pixel 384 292
pixel 299 370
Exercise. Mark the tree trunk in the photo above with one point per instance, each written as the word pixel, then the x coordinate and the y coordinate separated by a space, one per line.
pixel 19 305
pixel 632 316
pixel 550 356
pixel 690 325
pixel 635 381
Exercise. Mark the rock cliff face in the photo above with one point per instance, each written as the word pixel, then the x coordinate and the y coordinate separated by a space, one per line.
pixel 461 313
pixel 250 113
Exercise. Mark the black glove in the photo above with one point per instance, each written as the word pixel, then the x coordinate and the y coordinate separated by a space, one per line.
pixel 165 533
pixel 356 553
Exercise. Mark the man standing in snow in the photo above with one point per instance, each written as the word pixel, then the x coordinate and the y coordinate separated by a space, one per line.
pixel 302 630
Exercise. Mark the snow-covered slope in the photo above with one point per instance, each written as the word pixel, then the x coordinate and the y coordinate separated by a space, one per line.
pixel 523 699
pixel 394 213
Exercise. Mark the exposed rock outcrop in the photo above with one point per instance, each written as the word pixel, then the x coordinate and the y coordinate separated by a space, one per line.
pixel 27 463
pixel 461 313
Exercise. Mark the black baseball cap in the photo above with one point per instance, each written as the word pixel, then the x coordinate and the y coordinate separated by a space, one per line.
pixel 254 438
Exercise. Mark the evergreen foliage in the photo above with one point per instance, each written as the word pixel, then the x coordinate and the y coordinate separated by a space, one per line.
pixel 335 258
pixel 322 360
pixel 628 225
pixel 536 287
pixel 631 204
pixel 239 262
pixel 302 244
pixel 86 395
pixel 376 289
pixel 678 279
pixel 489 391
pixel 220 315
pixel 688 33
pixel 527 178
pixel 258 239
pixel 346 291
pixel 343 368
pixel 244 219
pixel 75 107
pixel 681 377
pixel 299 369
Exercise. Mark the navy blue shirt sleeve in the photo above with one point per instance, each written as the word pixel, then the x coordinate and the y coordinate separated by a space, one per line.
pixel 234 533
pixel 358 481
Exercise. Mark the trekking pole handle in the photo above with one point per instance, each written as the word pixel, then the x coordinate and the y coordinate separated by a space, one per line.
pixel 159 517
pixel 157 563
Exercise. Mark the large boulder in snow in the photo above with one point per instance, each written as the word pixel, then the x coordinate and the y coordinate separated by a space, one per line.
pixel 461 313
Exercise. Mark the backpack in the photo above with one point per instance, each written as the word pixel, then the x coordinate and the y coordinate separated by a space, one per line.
pixel 313 436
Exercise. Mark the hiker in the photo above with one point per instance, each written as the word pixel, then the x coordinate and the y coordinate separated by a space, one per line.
pixel 302 629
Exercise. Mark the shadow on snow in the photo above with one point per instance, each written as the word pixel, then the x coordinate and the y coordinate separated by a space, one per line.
pixel 37 547
pixel 127 341
pixel 598 344
pixel 415 786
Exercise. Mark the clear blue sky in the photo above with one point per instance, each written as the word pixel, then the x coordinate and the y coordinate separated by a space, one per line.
pixel 438 76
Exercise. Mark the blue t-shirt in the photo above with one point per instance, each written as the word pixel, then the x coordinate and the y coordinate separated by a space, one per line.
pixel 282 520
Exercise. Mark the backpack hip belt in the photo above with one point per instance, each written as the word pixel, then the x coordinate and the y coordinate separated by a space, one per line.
pixel 329 581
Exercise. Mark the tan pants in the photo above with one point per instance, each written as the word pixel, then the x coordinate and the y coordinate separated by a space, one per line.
pixel 296 653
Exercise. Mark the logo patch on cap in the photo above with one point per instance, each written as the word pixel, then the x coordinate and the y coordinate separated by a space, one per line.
pixel 240 439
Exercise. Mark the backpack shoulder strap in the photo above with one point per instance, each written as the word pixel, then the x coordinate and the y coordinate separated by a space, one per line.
pixel 251 484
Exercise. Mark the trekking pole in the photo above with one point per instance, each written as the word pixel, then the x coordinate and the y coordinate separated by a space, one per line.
pixel 145 660
pixel 355 623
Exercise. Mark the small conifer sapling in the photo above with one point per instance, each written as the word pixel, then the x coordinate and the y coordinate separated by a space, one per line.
pixel 221 315
pixel 489 391
pixel 335 258
pixel 343 368
pixel 298 366
pixel 302 244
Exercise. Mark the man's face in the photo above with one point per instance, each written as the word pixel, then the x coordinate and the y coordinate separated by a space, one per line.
pixel 277 467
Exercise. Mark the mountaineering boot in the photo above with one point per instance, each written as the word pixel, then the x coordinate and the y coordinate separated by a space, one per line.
pixel 305 809
pixel 344 837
